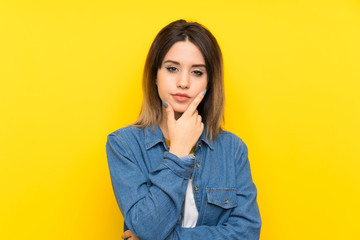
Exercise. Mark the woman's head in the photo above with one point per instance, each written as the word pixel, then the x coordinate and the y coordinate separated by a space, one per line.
pixel 185 53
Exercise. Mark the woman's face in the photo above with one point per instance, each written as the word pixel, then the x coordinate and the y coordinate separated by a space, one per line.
pixel 182 75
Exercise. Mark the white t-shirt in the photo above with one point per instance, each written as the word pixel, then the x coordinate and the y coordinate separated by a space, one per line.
pixel 190 211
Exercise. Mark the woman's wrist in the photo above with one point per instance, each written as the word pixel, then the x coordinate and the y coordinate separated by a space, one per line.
pixel 180 152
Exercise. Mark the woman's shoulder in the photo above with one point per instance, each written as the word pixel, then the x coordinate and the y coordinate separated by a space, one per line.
pixel 228 136
pixel 127 130
pixel 228 139
pixel 126 139
pixel 127 134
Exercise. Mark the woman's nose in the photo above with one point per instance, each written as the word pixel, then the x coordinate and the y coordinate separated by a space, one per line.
pixel 183 80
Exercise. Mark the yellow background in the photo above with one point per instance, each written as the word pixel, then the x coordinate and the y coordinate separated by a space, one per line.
pixel 70 74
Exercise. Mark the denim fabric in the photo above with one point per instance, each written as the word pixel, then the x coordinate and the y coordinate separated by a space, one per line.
pixel 150 185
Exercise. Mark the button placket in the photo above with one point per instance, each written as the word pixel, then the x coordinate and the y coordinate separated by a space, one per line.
pixel 196 181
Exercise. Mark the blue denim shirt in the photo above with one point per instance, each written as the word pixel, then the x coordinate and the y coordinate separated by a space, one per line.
pixel 150 184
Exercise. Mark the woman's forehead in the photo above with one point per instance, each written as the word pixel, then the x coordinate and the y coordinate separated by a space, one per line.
pixel 185 52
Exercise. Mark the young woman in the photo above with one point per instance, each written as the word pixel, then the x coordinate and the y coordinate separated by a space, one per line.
pixel 175 173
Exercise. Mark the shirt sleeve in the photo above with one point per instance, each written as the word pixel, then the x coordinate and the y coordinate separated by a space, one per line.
pixel 244 221
pixel 156 205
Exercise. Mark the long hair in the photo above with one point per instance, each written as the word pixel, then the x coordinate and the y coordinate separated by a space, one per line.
pixel 211 107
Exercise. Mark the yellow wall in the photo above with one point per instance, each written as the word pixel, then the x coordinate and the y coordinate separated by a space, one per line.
pixel 70 73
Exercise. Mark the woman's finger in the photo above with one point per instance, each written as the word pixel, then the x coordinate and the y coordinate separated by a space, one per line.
pixel 129 235
pixel 125 234
pixel 193 106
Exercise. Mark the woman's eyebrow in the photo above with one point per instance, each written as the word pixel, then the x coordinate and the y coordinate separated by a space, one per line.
pixel 171 61
pixel 199 65
pixel 177 63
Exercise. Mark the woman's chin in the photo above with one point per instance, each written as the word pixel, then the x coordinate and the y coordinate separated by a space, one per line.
pixel 179 110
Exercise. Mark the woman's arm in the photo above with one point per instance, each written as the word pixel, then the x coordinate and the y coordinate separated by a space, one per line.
pixel 150 211
pixel 244 221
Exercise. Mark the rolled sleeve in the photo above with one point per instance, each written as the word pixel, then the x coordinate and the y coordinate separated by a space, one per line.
pixel 182 167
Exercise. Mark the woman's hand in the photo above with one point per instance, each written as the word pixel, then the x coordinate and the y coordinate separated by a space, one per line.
pixel 185 132
pixel 129 235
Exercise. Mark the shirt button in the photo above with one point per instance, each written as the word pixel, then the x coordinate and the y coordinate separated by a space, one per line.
pixel 199 144
pixel 226 201
pixel 196 188
pixel 198 165
pixel 180 217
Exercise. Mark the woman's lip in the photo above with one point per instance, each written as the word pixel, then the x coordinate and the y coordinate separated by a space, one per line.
pixel 181 94
pixel 181 97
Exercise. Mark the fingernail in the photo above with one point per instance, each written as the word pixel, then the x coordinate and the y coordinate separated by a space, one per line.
pixel 203 92
pixel 165 104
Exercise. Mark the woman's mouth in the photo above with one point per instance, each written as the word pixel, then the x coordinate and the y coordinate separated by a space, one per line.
pixel 181 97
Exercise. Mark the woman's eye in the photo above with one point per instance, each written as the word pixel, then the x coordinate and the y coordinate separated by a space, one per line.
pixel 171 69
pixel 198 73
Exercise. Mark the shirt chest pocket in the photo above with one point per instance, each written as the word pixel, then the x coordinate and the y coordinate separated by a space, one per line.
pixel 220 202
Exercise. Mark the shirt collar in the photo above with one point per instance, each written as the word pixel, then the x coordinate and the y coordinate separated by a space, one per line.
pixel 153 137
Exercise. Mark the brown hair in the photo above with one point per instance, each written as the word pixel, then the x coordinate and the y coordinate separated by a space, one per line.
pixel 211 108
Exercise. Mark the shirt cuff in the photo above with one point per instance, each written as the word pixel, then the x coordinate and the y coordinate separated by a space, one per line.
pixel 190 156
pixel 183 167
